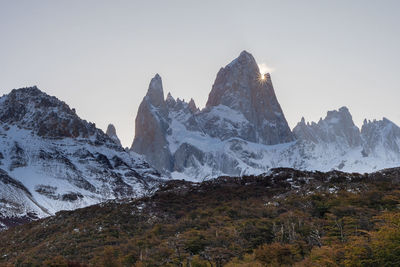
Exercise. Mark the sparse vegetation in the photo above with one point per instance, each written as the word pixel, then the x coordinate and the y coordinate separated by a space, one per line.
pixel 288 218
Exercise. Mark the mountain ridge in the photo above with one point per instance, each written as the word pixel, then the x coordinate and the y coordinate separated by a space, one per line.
pixel 51 160
pixel 243 130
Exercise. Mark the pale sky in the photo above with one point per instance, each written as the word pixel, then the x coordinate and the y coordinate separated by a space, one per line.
pixel 99 56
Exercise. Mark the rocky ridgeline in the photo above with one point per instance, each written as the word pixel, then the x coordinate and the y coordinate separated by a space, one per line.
pixel 243 130
pixel 239 86
pixel 45 115
pixel 52 160
pixel 241 105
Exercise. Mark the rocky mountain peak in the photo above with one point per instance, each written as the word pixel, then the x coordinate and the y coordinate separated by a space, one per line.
pixel 342 115
pixel 45 115
pixel 151 124
pixel 245 60
pixel 268 78
pixel 155 93
pixel 192 106
pixel 112 133
pixel 336 127
pixel 170 97
pixel 170 101
pixel 380 135
pixel 239 86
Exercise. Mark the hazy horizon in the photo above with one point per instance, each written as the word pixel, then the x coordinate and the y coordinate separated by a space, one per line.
pixel 99 56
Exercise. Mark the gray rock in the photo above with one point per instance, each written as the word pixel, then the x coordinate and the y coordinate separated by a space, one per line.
pixel 242 130
pixel 151 126
pixel 58 161
pixel 240 105
pixel 337 127
pixel 240 86
pixel 112 133
pixel 381 135
pixel 188 156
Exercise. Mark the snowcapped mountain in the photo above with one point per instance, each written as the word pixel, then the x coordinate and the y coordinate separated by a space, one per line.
pixel 243 130
pixel 52 160
pixel 335 142
pixel 242 110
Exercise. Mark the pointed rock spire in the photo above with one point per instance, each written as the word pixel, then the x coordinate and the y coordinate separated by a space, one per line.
pixel 170 97
pixel 337 127
pixel 192 106
pixel 170 101
pixel 112 133
pixel 150 127
pixel 268 78
pixel 381 135
pixel 240 87
pixel 155 93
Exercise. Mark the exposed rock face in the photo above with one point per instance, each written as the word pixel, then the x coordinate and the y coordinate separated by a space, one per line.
pixel 337 127
pixel 192 106
pixel 112 133
pixel 381 136
pixel 175 135
pixel 336 142
pixel 242 130
pixel 52 160
pixel 240 87
pixel 29 108
pixel 151 125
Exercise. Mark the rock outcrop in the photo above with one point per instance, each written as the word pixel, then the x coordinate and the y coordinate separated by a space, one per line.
pixel 174 135
pixel 242 130
pixel 241 87
pixel 151 126
pixel 382 136
pixel 45 115
pixel 112 133
pixel 337 127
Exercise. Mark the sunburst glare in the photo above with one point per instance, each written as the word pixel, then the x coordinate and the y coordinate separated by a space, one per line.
pixel 264 69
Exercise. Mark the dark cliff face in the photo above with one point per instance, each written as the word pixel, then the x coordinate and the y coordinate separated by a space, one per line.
pixel 112 133
pixel 380 135
pixel 29 108
pixel 241 105
pixel 150 128
pixel 337 127
pixel 241 87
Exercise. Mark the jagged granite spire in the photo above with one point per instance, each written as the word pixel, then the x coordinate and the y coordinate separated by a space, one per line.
pixel 155 93
pixel 151 125
pixel 192 106
pixel 240 87
pixel 337 127
pixel 112 133
pixel 382 136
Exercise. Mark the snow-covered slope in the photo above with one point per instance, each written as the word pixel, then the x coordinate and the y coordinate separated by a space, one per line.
pixel 242 111
pixel 51 160
pixel 242 130
pixel 337 143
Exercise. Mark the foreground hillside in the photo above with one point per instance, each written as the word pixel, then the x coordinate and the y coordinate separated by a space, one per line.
pixel 283 218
